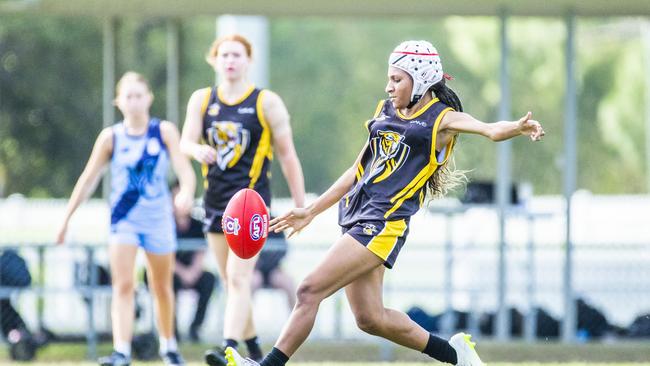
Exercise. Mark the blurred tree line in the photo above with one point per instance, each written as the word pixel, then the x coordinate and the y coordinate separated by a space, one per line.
pixel 331 73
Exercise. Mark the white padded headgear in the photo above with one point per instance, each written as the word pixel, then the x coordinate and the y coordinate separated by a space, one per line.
pixel 420 60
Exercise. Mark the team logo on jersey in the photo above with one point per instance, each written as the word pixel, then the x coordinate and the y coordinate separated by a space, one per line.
pixel 142 177
pixel 230 140
pixel 369 229
pixel 258 227
pixel 213 109
pixel 389 152
pixel 230 225
pixel 153 147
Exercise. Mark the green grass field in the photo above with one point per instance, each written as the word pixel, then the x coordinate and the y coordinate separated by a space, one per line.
pixel 354 353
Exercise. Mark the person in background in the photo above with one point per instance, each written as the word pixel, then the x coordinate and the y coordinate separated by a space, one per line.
pixel 14 275
pixel 232 129
pixel 138 151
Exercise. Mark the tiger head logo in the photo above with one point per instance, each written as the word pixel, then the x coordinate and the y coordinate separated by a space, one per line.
pixel 389 152
pixel 230 140
pixel 390 142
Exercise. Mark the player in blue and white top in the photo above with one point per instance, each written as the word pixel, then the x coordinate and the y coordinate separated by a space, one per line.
pixel 411 137
pixel 138 150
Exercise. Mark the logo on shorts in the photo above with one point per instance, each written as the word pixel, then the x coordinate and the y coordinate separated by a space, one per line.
pixel 258 227
pixel 231 225
pixel 369 229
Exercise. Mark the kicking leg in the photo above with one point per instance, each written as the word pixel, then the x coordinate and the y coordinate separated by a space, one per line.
pixel 366 302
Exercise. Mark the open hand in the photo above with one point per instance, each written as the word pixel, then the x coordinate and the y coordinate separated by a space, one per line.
pixel 296 219
pixel 530 127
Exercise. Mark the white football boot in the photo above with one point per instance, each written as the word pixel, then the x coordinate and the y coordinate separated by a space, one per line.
pixel 465 351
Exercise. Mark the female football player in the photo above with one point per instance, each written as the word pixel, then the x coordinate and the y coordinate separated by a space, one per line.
pixel 138 150
pixel 239 125
pixel 411 137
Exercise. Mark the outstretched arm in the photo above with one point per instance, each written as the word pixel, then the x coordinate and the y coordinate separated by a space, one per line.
pixel 457 122
pixel 298 218
pixel 87 182
pixel 278 118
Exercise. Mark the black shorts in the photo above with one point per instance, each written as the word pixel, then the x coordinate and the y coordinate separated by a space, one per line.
pixel 212 220
pixel 384 238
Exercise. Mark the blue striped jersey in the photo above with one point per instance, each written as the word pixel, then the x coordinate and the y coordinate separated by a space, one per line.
pixel 139 166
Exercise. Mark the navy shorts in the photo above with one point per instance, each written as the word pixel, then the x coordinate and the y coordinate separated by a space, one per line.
pixel 212 220
pixel 384 238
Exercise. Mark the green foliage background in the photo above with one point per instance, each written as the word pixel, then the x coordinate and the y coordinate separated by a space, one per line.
pixel 331 73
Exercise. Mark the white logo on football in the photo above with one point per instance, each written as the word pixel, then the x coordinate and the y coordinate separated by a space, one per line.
pixel 231 225
pixel 257 227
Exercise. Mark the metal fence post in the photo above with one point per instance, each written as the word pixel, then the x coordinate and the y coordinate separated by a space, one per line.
pixel 531 317
pixel 570 167
pixel 91 335
pixel 503 186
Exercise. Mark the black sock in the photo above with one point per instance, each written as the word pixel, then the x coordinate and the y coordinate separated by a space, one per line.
pixel 275 358
pixel 441 350
pixel 254 350
pixel 230 343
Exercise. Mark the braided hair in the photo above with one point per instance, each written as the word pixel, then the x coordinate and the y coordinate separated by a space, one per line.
pixel 446 95
pixel 446 178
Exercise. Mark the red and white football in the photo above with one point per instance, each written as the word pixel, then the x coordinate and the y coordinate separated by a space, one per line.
pixel 245 223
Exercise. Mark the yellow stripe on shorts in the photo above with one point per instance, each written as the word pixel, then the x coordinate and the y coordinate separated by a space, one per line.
pixel 382 244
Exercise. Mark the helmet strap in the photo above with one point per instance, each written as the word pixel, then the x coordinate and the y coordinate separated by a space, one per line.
pixel 416 98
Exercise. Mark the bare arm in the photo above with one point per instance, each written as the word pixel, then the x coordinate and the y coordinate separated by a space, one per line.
pixel 457 122
pixel 298 218
pixel 278 119
pixel 190 139
pixel 181 165
pixel 87 182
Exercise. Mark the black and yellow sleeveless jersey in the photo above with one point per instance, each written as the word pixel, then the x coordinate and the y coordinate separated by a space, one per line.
pixel 400 158
pixel 242 137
